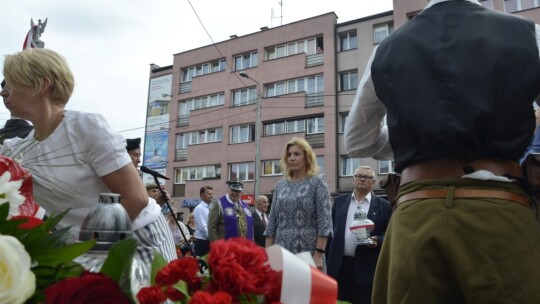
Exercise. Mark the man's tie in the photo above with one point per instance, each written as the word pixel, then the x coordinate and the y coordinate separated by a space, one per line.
pixel 263 219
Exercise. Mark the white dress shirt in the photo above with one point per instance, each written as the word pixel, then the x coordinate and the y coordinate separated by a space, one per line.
pixel 200 215
pixel 350 238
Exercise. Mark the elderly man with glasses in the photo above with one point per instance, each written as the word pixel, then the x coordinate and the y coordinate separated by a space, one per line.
pixel 229 216
pixel 353 266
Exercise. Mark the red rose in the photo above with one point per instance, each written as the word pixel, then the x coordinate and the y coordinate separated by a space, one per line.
pixel 151 295
pixel 30 223
pixel 203 297
pixel 185 269
pixel 238 266
pixel 88 288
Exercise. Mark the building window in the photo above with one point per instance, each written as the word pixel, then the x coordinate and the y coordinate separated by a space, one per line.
pixel 203 69
pixel 342 121
pixel 181 142
pixel 244 97
pixel 294 126
pixel 182 175
pixel 308 46
pixel 315 125
pixel 242 171
pixel 348 81
pixel 348 165
pixel 348 41
pixel 275 128
pixel 311 85
pixel 511 6
pixel 242 133
pixel 320 163
pixel 245 61
pixel 487 3
pixel 381 31
pixel 272 167
pixel 200 103
pixel 386 166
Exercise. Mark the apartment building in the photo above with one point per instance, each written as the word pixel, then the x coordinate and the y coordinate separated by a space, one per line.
pixel 300 78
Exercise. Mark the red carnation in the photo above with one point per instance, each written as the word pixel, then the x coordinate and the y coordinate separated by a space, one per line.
pixel 238 266
pixel 203 297
pixel 88 288
pixel 185 269
pixel 151 295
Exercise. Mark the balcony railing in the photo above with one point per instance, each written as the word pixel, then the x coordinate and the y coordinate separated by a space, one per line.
pixel 314 100
pixel 185 87
pixel 181 154
pixel 183 120
pixel 315 59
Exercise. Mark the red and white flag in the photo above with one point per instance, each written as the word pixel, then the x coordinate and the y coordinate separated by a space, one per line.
pixel 28 41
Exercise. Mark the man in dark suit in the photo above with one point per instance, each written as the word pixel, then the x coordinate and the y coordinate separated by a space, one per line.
pixel 354 266
pixel 260 218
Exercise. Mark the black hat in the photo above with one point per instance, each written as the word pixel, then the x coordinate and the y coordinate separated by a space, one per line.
pixel 133 143
pixel 238 186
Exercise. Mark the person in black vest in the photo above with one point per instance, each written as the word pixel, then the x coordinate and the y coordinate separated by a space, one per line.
pixel 353 266
pixel 457 84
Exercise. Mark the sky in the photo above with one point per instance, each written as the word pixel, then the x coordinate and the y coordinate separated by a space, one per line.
pixel 110 45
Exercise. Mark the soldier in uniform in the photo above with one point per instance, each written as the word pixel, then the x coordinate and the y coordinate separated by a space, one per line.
pixel 230 217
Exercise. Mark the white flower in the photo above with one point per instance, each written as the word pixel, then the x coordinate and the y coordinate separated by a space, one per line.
pixel 9 192
pixel 17 281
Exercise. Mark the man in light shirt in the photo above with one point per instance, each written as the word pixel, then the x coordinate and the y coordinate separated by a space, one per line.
pixel 260 219
pixel 353 266
pixel 202 243
pixel 457 84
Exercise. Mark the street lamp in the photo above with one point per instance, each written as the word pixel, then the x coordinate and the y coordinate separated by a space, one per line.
pixel 257 136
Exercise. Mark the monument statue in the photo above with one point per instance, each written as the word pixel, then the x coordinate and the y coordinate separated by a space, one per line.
pixel 37 30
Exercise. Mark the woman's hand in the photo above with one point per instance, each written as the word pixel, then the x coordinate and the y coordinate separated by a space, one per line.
pixel 318 259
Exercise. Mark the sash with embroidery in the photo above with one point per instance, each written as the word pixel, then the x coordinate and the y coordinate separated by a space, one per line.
pixel 231 219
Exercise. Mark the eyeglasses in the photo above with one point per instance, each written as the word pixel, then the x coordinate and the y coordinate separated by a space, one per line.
pixel 360 176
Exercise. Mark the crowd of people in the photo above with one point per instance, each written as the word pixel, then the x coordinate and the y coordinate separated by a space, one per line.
pixel 457 102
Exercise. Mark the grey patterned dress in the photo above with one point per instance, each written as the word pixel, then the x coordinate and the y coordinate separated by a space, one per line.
pixel 300 213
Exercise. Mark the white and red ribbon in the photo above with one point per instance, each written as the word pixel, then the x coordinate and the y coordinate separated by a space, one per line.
pixel 29 41
pixel 302 282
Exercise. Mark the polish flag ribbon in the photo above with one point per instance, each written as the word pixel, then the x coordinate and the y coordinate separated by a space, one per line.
pixel 302 281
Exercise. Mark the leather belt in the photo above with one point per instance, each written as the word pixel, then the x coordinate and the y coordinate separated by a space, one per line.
pixel 465 193
pixel 454 168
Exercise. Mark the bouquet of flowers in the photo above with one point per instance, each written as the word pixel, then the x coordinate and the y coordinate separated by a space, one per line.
pixel 238 273
pixel 36 264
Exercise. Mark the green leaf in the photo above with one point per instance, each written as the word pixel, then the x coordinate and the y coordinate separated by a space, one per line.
pixel 118 264
pixel 183 288
pixel 64 254
pixel 119 259
pixel 157 264
pixel 4 211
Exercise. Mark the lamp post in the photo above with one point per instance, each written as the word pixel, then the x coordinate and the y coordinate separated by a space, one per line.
pixel 257 136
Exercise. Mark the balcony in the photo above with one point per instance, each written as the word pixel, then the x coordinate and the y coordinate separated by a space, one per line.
pixel 185 87
pixel 314 100
pixel 314 60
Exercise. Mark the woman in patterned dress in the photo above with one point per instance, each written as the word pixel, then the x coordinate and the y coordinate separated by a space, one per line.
pixel 300 216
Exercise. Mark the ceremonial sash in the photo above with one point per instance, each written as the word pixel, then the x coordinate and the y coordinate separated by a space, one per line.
pixel 230 218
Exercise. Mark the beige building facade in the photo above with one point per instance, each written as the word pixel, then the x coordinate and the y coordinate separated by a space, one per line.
pixel 302 77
